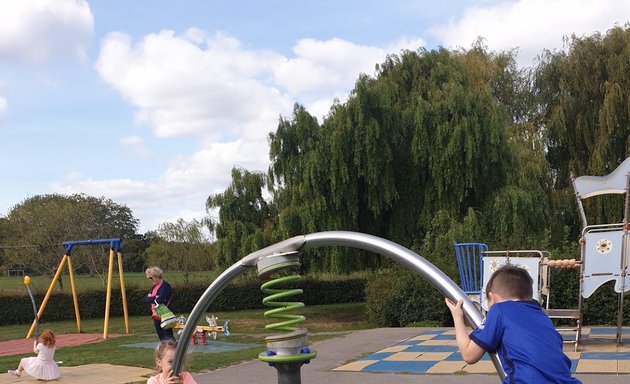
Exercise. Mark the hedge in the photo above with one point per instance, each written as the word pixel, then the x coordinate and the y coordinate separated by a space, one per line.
pixel 239 295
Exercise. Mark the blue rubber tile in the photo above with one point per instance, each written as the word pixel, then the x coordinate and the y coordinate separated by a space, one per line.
pixel 609 331
pixel 623 356
pixel 574 364
pixel 599 356
pixel 444 337
pixel 456 356
pixel 377 356
pixel 410 342
pixel 434 332
pixel 432 348
pixel 400 366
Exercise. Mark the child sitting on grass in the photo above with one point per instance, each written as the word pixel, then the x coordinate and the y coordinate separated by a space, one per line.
pixel 43 366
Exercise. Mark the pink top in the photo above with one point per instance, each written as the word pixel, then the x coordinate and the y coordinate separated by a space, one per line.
pixel 185 376
pixel 154 293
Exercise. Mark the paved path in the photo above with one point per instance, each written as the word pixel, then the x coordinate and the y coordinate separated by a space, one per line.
pixel 332 354
pixel 335 352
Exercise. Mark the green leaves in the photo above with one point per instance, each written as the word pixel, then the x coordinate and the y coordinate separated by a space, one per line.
pixel 41 223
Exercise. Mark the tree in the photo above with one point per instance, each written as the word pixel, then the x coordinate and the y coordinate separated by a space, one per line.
pixel 38 226
pixel 182 246
pixel 246 220
pixel 428 134
pixel 583 94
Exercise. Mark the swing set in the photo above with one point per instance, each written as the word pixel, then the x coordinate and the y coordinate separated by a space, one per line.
pixel 114 248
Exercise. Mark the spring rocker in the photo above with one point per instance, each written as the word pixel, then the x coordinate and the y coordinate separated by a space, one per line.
pixel 277 265
pixel 212 329
pixel 114 247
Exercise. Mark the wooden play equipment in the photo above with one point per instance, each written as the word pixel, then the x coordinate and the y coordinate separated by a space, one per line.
pixel 114 247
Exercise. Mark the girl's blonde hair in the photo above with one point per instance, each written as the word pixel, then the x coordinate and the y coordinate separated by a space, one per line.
pixel 161 349
pixel 48 338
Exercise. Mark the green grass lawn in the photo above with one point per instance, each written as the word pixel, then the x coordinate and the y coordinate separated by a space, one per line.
pixel 246 327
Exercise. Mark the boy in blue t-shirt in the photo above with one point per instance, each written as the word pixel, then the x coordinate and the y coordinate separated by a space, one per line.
pixel 517 329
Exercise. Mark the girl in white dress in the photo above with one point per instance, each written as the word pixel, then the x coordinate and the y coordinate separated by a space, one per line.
pixel 43 366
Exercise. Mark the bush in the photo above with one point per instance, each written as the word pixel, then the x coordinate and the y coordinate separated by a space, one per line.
pixel 240 294
pixel 397 297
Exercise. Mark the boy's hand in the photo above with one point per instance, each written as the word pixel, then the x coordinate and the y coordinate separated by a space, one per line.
pixel 456 308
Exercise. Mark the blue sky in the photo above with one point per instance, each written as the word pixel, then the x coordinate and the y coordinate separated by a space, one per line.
pixel 151 103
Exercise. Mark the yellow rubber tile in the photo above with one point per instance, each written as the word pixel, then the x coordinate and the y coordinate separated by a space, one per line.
pixel 623 366
pixel 480 367
pixel 447 367
pixel 437 342
pixel 573 355
pixel 403 356
pixel 395 348
pixel 422 337
pixel 449 332
pixel 355 366
pixel 596 366
pixel 433 356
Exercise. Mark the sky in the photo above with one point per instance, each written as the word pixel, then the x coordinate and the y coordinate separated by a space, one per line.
pixel 151 103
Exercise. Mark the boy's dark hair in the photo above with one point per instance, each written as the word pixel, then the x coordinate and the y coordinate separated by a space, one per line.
pixel 511 282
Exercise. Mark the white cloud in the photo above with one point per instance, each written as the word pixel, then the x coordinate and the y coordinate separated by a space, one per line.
pixel 532 25
pixel 38 30
pixel 323 70
pixel 193 84
pixel 180 87
pixel 181 190
pixel 228 96
pixel 3 104
pixel 135 146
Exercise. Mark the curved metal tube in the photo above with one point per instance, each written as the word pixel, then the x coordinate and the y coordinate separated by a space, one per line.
pixel 363 241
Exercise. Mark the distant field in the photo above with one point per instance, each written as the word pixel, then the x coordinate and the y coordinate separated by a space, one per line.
pixel 40 284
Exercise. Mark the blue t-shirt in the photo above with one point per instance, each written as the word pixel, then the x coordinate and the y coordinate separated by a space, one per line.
pixel 526 342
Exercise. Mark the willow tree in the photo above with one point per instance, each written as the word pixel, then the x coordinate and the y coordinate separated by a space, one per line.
pixel 584 98
pixel 425 136
pixel 246 220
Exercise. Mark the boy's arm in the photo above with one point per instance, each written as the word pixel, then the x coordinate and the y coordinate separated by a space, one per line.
pixel 470 351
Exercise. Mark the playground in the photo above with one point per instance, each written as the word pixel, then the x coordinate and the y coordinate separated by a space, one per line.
pixel 375 356
pixel 595 352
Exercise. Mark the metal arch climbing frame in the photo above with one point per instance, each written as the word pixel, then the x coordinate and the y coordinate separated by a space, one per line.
pixel 387 248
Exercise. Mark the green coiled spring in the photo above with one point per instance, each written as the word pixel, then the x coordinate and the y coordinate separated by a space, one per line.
pixel 280 307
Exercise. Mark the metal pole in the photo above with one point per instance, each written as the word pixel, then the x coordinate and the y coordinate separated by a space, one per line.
pixel 366 242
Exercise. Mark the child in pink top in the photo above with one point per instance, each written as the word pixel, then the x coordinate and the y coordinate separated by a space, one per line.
pixel 164 356
pixel 43 366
